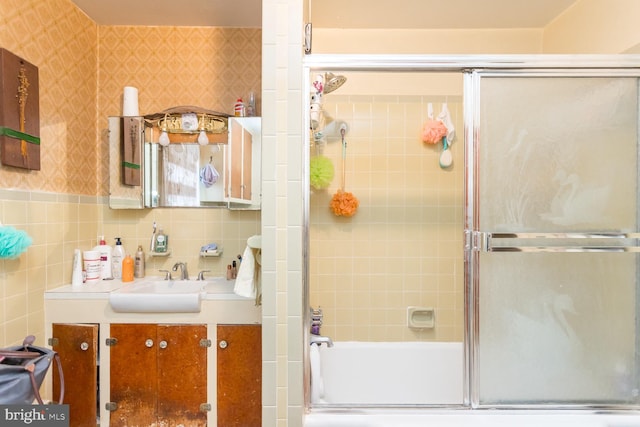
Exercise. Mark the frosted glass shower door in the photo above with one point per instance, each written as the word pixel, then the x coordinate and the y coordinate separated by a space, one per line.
pixel 552 239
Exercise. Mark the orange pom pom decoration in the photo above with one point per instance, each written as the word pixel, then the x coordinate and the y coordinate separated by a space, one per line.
pixel 344 203
pixel 433 131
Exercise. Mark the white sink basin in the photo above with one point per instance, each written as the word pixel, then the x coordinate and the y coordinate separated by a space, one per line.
pixel 159 296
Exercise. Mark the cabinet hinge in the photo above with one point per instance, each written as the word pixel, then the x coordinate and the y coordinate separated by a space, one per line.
pixel 53 342
pixel 205 343
pixel 205 407
pixel 111 341
pixel 111 406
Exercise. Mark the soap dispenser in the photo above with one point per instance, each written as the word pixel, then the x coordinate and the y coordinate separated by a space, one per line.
pixel 162 241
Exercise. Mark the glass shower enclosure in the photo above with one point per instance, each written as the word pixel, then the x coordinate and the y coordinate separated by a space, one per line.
pixel 551 237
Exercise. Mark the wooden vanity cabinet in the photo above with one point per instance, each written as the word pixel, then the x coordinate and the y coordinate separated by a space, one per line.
pixel 77 345
pixel 239 382
pixel 158 374
pixel 124 369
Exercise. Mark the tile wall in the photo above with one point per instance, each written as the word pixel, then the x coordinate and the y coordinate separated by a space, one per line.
pixel 57 224
pixel 403 247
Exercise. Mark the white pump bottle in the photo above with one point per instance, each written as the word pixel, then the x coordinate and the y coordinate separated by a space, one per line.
pixel 118 257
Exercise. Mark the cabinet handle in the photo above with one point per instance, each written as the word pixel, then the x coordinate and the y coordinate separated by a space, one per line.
pixel 163 344
pixel 223 344
pixel 84 346
pixel 149 343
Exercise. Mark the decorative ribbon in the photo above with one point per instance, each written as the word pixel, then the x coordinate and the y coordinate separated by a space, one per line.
pixel 12 133
pixel 130 165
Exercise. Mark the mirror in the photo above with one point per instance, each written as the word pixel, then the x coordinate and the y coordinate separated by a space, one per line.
pixel 226 173
pixel 185 175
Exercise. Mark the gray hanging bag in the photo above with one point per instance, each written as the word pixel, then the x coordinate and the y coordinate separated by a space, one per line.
pixel 22 371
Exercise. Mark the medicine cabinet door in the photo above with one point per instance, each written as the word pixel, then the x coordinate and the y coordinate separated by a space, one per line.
pixel 126 162
pixel 243 172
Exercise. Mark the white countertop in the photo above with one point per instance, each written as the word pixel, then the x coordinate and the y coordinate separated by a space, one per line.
pixel 220 289
pixel 98 290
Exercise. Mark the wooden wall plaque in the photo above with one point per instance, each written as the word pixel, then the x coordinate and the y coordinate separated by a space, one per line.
pixel 132 135
pixel 19 112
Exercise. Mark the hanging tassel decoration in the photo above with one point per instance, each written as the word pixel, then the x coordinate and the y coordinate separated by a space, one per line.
pixel 344 203
pixel 13 242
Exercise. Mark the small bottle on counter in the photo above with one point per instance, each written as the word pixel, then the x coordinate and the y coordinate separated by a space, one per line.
pixel 229 272
pixel 251 105
pixel 106 264
pixel 138 267
pixel 127 269
pixel 76 274
pixel 117 258
pixel 239 108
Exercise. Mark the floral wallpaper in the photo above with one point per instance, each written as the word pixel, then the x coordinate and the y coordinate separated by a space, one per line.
pixel 62 42
pixel 172 66
pixel 83 69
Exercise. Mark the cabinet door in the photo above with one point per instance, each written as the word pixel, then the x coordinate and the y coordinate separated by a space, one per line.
pixel 243 169
pixel 77 345
pixel 182 375
pixel 241 163
pixel 134 374
pixel 239 362
pixel 127 162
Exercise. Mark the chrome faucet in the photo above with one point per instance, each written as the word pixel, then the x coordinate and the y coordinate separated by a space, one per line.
pixel 184 274
pixel 319 339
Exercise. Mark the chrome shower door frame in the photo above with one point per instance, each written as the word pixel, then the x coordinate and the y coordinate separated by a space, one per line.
pixel 473 67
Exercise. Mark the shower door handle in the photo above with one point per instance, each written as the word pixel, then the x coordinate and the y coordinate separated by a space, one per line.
pixel 482 241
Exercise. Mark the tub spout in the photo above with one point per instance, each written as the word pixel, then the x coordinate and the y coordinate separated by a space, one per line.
pixel 318 339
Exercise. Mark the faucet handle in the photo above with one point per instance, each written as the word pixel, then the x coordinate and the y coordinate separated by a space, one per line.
pixel 201 274
pixel 167 274
pixel 185 272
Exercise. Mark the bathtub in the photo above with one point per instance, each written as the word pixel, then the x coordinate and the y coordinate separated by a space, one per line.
pixel 465 418
pixel 369 384
pixel 387 373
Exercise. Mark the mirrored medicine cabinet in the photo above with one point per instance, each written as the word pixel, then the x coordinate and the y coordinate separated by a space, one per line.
pixel 223 172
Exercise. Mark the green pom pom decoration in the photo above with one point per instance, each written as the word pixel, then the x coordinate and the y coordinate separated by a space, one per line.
pixel 321 171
